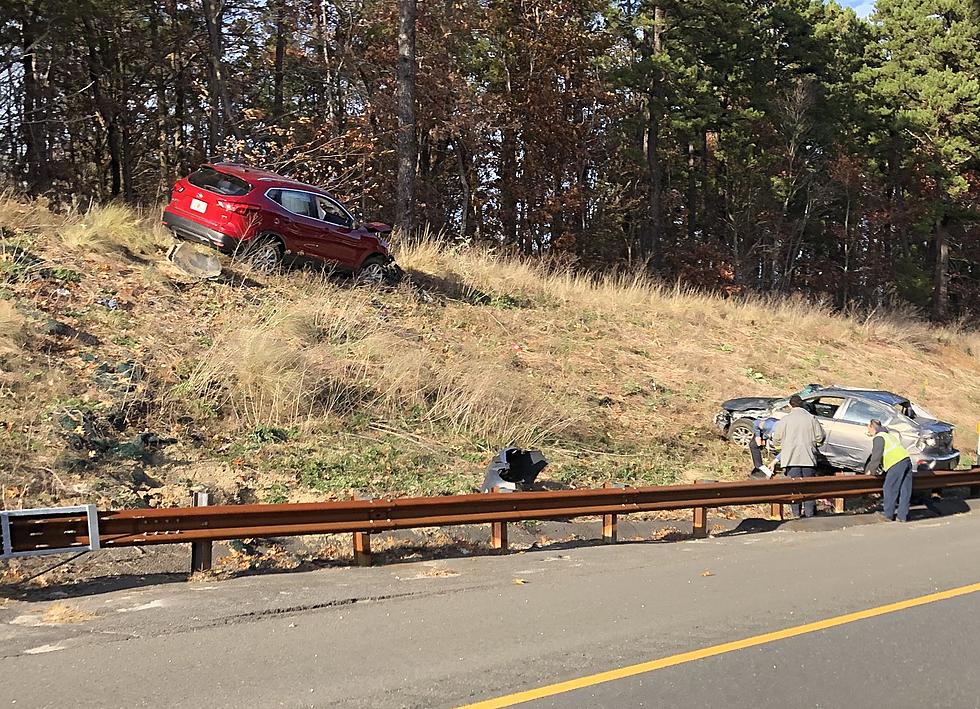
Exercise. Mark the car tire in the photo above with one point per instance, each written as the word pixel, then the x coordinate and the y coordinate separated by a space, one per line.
pixel 263 255
pixel 741 432
pixel 378 271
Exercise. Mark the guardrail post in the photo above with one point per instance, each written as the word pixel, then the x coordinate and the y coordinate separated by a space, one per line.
pixel 776 511
pixel 839 502
pixel 201 551
pixel 498 530
pixel 700 528
pixel 362 549
pixel 610 523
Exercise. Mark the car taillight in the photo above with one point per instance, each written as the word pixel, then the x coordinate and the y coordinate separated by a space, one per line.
pixel 235 207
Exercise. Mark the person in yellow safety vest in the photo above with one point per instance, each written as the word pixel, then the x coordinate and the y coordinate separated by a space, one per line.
pixel 889 455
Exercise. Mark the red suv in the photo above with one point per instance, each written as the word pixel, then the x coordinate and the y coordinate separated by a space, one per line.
pixel 266 219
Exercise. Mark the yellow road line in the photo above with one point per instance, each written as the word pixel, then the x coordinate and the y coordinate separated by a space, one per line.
pixel 631 670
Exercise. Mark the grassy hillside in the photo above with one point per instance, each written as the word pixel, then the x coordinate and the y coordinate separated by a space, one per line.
pixel 125 383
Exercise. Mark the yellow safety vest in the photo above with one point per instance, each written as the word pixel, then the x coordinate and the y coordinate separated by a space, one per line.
pixel 894 450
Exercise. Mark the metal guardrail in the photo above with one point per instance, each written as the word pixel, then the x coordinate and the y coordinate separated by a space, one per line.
pixel 70 530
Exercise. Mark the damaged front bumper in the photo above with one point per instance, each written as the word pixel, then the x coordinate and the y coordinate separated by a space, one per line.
pixel 723 419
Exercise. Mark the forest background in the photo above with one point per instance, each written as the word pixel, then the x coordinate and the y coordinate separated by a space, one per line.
pixel 770 146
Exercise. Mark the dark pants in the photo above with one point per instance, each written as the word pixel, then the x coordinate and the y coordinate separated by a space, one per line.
pixel 810 506
pixel 897 490
pixel 756 454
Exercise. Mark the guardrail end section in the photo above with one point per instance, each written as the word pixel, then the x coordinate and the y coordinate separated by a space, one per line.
pixel 91 513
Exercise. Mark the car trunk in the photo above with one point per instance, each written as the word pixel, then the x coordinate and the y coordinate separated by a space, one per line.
pixel 216 200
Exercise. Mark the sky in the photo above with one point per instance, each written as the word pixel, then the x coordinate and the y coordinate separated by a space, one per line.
pixel 862 7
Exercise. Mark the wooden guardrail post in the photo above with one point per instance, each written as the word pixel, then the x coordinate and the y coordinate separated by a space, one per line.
pixel 498 530
pixel 201 552
pixel 610 522
pixel 362 540
pixel 776 511
pixel 362 549
pixel 839 502
pixel 700 527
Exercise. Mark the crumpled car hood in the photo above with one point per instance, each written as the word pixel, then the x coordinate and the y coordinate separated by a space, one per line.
pixel 934 426
pixel 749 403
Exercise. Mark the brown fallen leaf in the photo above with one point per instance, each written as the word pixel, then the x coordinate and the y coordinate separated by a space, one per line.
pixel 520 582
pixel 706 573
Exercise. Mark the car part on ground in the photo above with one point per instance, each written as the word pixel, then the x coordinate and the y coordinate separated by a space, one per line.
pixel 512 469
pixel 844 413
pixel 193 262
pixel 267 219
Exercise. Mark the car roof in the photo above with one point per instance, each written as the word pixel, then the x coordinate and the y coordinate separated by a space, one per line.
pixel 884 397
pixel 266 177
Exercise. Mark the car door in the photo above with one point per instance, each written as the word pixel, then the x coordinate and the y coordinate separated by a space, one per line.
pixel 305 233
pixel 343 243
pixel 853 439
pixel 826 410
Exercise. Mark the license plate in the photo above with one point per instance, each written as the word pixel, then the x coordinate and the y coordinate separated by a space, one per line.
pixel 199 206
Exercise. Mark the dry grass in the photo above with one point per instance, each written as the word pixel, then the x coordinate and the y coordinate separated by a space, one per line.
pixel 64 614
pixel 11 328
pixel 113 227
pixel 614 375
pixel 334 353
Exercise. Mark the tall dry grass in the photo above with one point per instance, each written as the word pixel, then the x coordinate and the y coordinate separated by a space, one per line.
pixel 11 328
pixel 113 227
pixel 333 353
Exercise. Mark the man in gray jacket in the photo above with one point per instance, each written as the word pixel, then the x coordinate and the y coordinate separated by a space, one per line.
pixel 797 435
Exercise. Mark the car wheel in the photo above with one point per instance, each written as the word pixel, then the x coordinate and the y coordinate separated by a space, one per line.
pixel 377 271
pixel 741 432
pixel 264 255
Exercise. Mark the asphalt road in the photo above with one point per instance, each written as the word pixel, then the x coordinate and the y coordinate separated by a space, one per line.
pixel 896 660
pixel 457 631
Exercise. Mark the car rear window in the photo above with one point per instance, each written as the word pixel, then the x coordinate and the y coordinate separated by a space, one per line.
pixel 214 181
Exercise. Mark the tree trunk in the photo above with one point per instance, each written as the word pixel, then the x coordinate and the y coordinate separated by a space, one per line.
pixel 652 240
pixel 462 166
pixel 279 71
pixel 508 188
pixel 221 116
pixel 940 297
pixel 177 68
pixel 407 148
pixel 33 126
pixel 692 195
pixel 104 108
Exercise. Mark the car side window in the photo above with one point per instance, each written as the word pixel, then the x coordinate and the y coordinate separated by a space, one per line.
pixel 825 406
pixel 296 202
pixel 330 211
pixel 862 412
